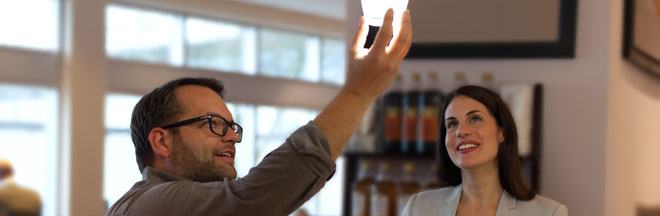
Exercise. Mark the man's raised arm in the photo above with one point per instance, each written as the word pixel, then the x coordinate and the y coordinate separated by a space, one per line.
pixel 370 72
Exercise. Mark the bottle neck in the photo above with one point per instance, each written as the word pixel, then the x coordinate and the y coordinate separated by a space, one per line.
pixel 409 172
pixel 489 84
pixel 384 175
pixel 416 85
pixel 408 177
pixel 395 86
pixel 431 85
pixel 460 82
pixel 364 174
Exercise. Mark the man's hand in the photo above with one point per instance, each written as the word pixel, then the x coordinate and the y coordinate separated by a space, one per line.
pixel 370 72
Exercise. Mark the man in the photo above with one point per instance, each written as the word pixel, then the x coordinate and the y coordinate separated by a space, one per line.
pixel 14 199
pixel 184 137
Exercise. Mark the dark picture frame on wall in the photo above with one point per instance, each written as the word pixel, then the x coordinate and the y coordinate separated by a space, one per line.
pixel 432 15
pixel 641 44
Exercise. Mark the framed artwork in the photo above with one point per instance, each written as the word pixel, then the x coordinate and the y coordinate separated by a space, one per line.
pixel 493 29
pixel 641 43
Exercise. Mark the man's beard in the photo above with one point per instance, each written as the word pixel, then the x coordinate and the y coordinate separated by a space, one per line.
pixel 188 166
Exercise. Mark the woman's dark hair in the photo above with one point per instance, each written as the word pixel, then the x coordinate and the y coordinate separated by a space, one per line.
pixel 507 154
pixel 158 108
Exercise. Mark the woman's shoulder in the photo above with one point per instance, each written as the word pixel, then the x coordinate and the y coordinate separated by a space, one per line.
pixel 541 201
pixel 436 194
pixel 543 204
pixel 433 202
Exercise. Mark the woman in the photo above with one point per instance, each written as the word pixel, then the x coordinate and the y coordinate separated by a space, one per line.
pixel 478 155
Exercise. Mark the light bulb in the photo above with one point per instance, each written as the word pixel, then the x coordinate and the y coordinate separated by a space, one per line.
pixel 374 10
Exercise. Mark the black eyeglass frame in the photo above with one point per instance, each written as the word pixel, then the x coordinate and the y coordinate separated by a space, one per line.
pixel 238 131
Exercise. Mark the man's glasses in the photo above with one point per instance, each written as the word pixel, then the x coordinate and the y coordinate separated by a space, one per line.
pixel 215 122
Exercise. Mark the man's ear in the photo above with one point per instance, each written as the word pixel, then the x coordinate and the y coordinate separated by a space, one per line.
pixel 161 142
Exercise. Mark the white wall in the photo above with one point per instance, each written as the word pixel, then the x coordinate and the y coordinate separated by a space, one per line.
pixel 599 133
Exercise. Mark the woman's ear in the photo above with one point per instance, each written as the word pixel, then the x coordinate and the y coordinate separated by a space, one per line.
pixel 160 140
pixel 500 135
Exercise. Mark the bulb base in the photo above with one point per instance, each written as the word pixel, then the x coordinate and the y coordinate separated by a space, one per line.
pixel 371 36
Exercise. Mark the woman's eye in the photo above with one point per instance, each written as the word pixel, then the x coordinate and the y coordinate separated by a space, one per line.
pixel 451 124
pixel 475 118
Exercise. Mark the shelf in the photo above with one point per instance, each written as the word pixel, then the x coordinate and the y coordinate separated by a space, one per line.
pixel 386 156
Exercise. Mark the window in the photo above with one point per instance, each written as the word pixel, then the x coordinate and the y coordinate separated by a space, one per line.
pixel 151 36
pixel 162 37
pixel 333 61
pixel 329 200
pixel 28 122
pixel 276 124
pixel 244 114
pixel 31 24
pixel 290 55
pixel 120 168
pixel 222 46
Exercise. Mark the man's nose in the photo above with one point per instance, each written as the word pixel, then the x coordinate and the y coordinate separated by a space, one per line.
pixel 231 135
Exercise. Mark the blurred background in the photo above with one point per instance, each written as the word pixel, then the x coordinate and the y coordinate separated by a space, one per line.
pixel 72 70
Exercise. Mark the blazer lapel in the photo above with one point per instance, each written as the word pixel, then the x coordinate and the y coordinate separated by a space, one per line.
pixel 507 206
pixel 451 202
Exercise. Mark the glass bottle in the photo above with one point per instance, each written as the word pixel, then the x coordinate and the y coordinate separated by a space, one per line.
pixel 392 117
pixel 461 80
pixel 412 112
pixel 383 199
pixel 430 121
pixel 435 182
pixel 488 80
pixel 407 187
pixel 361 205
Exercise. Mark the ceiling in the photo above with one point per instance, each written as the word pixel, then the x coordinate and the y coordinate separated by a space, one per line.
pixel 335 9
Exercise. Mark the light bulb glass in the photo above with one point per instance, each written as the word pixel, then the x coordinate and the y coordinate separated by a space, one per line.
pixel 374 10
